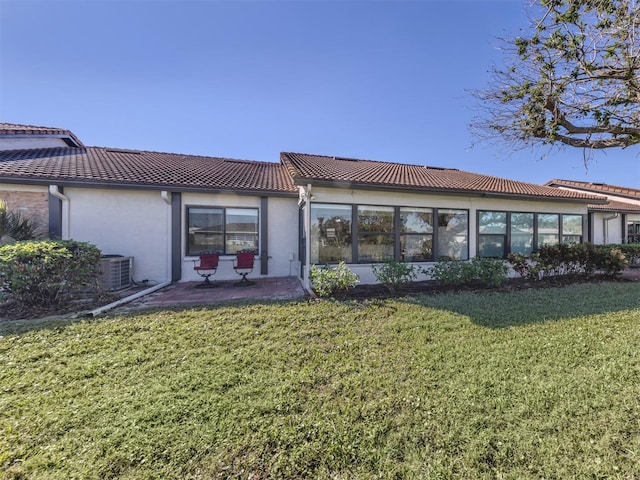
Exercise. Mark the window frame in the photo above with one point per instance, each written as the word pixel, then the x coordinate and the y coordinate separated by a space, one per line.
pixel 380 233
pixel 395 233
pixel 340 206
pixel 508 247
pixel 189 252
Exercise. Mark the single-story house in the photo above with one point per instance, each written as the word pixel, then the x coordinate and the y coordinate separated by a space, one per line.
pixel 164 209
pixel 617 220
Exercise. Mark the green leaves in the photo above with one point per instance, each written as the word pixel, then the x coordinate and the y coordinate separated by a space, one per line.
pixel 573 81
pixel 327 281
pixel 42 273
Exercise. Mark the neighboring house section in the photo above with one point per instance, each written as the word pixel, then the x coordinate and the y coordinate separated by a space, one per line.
pixel 617 220
pixel 16 137
pixel 161 209
pixel 365 212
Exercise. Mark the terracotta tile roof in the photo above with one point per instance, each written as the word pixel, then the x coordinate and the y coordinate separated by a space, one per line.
pixel 601 188
pixel 103 166
pixel 616 206
pixel 14 129
pixel 307 168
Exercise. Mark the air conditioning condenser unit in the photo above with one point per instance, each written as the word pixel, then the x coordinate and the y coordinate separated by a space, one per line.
pixel 116 271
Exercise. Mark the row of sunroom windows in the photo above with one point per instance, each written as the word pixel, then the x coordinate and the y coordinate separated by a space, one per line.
pixel 426 234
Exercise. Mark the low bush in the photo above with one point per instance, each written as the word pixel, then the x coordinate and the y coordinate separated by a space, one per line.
pixel 570 259
pixel 394 275
pixel 44 273
pixel 482 272
pixel 327 281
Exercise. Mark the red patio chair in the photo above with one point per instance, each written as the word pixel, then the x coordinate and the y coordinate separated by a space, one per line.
pixel 243 265
pixel 207 266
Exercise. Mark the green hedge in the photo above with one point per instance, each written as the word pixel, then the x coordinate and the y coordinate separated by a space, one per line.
pixel 44 273
pixel 584 259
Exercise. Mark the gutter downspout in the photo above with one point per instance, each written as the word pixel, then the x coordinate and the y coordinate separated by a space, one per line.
pixel 605 226
pixel 307 243
pixel 167 199
pixel 66 230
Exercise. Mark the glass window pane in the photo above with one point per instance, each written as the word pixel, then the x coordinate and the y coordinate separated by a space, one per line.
pixel 205 230
pixel 416 248
pixel 330 233
pixel 572 224
pixel 548 229
pixel 492 222
pixel 522 233
pixel 550 222
pixel 241 230
pixel 416 220
pixel 453 234
pixel 375 219
pixel 491 246
pixel 375 248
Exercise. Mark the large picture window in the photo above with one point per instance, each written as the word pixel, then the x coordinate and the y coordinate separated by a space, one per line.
pixel 331 233
pixel 522 233
pixel 492 234
pixel 416 234
pixel 222 230
pixel 375 233
pixel 500 233
pixel 571 228
pixel 548 229
pixel 453 234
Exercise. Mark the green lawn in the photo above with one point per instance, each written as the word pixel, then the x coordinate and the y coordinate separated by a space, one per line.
pixel 529 384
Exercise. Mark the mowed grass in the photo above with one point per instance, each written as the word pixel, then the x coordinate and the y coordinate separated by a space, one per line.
pixel 535 384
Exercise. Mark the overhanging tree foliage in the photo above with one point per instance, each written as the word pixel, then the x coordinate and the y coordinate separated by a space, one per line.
pixel 574 81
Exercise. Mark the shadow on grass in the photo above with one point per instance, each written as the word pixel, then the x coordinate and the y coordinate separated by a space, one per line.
pixel 509 309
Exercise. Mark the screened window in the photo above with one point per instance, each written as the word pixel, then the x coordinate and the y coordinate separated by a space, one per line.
pixel 571 228
pixel 416 234
pixel 375 233
pixel 633 232
pixel 492 234
pixel 222 230
pixel 453 234
pixel 521 233
pixel 330 233
pixel 548 229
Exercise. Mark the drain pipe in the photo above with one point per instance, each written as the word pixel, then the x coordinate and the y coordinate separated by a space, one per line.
pixel 307 243
pixel 167 199
pixel 55 191
pixel 605 226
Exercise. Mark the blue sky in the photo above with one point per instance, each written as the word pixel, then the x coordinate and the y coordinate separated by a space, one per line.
pixel 380 80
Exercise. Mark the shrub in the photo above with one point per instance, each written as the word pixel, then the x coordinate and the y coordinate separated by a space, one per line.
pixel 41 273
pixel 15 226
pixel 571 259
pixel 327 281
pixel 612 261
pixel 525 266
pixel 394 275
pixel 483 272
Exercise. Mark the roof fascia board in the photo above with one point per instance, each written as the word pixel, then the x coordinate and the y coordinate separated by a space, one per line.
pixel 451 192
pixel 592 190
pixel 66 138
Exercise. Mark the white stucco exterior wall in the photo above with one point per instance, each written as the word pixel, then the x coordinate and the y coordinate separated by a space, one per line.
pixel 124 222
pixel 283 237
